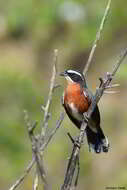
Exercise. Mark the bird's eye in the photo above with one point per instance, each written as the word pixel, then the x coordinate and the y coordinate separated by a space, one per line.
pixel 75 77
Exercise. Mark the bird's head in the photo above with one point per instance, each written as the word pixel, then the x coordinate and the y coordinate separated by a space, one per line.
pixel 73 76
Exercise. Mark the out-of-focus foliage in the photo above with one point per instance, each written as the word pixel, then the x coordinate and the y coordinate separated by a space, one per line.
pixel 29 31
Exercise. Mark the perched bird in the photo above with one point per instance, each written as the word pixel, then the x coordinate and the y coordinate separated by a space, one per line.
pixel 76 101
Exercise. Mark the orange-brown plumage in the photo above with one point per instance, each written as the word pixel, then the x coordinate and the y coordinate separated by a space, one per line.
pixel 76 101
pixel 74 94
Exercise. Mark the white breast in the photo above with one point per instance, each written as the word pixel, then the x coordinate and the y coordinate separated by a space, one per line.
pixel 75 112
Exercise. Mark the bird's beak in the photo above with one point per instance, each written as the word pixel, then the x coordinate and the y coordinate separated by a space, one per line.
pixel 63 74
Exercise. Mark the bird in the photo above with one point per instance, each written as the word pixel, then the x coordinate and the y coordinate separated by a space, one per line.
pixel 76 100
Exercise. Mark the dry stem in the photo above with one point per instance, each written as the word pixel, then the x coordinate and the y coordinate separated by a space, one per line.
pixel 52 85
pixel 98 35
pixel 37 146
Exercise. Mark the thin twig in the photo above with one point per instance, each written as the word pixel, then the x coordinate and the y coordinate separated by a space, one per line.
pixel 120 60
pixel 36 180
pixel 38 145
pixel 112 86
pixel 21 179
pixel 58 123
pixel 76 146
pixel 98 35
pixel 52 85
pixel 78 170
pixel 71 138
pixel 111 92
pixel 30 165
pixel 35 149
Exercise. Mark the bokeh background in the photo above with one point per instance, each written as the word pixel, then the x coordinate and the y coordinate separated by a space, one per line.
pixel 29 32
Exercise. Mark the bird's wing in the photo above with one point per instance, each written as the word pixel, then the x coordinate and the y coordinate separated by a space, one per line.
pixel 75 121
pixel 96 114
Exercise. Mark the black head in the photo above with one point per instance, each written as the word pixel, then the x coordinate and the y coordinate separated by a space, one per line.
pixel 74 76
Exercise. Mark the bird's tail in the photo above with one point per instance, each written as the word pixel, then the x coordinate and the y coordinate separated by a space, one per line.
pixel 97 141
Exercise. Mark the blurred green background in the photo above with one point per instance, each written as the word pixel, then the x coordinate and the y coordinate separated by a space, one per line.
pixel 29 31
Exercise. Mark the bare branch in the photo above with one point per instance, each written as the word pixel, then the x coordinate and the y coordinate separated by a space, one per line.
pixel 77 177
pixel 38 145
pixel 35 148
pixel 112 86
pixel 52 85
pixel 36 180
pixel 98 35
pixel 56 86
pixel 42 148
pixel 77 144
pixel 43 108
pixel 58 123
pixel 110 92
pixel 120 60
pixel 21 179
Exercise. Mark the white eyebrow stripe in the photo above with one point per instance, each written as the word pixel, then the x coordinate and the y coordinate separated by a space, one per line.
pixel 75 72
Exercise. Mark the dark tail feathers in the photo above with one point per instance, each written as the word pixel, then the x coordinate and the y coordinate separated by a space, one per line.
pixel 97 141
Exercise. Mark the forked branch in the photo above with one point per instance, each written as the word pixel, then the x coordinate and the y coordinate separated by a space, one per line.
pixel 40 143
pixel 36 150
pixel 32 162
